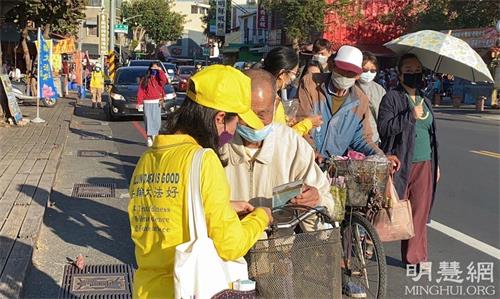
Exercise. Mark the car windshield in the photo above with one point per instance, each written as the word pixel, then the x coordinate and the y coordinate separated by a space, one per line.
pixel 130 76
pixel 186 70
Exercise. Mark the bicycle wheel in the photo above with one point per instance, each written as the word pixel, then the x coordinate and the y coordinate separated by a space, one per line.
pixel 363 255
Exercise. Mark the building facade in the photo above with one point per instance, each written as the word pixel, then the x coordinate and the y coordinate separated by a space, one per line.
pixel 193 36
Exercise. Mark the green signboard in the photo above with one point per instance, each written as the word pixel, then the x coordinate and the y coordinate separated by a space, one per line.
pixel 121 28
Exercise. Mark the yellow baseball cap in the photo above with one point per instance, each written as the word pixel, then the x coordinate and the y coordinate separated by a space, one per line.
pixel 224 88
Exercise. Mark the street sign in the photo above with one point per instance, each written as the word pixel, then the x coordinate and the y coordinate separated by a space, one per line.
pixel 103 34
pixel 121 28
pixel 220 18
pixel 206 51
pixel 212 26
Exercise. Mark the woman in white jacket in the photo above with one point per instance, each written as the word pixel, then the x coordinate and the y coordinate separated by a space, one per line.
pixel 374 91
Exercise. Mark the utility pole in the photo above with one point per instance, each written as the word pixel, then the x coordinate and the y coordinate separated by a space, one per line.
pixel 112 19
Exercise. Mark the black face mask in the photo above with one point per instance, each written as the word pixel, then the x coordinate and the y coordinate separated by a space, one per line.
pixel 413 80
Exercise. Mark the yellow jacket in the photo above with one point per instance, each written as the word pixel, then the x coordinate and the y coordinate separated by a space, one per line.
pixel 97 79
pixel 158 212
pixel 302 127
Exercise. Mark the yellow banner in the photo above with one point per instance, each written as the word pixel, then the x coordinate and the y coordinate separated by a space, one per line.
pixel 65 46
pixel 56 63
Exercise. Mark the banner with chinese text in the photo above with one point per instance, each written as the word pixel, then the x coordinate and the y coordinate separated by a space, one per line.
pixel 46 87
pixel 220 18
pixel 262 17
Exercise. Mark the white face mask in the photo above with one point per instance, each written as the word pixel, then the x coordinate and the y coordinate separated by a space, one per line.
pixel 342 82
pixel 367 77
pixel 320 58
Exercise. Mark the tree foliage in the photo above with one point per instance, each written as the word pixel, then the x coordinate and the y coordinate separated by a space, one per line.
pixel 58 16
pixel 458 14
pixel 303 18
pixel 156 19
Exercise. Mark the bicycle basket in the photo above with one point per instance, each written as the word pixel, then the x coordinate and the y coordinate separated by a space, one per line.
pixel 362 178
pixel 305 265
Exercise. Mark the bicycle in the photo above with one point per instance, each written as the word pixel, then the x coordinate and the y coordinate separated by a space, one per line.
pixel 364 261
pixel 297 265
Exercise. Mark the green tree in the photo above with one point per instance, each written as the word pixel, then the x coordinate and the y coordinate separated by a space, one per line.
pixel 302 18
pixel 59 16
pixel 456 14
pixel 155 18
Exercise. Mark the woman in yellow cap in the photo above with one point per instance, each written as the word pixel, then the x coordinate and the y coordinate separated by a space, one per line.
pixel 217 97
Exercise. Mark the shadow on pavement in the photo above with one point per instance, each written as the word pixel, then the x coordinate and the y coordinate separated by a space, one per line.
pixel 102 136
pixel 12 279
pixel 90 224
pixel 128 166
pixel 390 261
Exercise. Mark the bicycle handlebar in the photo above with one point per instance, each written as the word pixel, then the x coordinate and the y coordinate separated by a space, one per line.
pixel 297 219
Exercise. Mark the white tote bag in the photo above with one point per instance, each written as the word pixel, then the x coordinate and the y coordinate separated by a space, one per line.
pixel 199 272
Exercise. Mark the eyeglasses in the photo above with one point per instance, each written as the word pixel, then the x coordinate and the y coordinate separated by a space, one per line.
pixel 371 71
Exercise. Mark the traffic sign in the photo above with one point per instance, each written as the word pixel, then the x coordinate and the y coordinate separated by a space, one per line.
pixel 121 28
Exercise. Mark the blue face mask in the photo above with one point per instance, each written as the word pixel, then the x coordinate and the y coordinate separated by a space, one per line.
pixel 154 72
pixel 252 135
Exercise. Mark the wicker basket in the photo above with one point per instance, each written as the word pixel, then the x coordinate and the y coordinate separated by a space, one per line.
pixel 363 178
pixel 304 265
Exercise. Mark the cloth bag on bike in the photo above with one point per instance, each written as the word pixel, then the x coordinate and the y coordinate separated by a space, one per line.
pixel 396 221
pixel 199 272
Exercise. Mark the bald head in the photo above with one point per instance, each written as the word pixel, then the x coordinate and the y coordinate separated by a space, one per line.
pixel 263 93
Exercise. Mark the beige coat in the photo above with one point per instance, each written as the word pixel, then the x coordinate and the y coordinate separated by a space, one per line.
pixel 284 157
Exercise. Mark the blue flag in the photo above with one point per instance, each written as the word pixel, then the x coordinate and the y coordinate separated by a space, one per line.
pixel 46 87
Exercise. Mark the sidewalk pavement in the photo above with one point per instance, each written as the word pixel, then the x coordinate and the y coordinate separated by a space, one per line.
pixel 29 158
pixel 468 111
pixel 95 227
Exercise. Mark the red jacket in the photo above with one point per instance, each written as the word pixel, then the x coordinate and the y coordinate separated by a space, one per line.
pixel 154 90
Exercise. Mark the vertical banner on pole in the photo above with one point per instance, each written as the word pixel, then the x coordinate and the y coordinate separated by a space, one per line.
pixel 103 34
pixel 220 18
pixel 77 58
pixel 46 86
pixel 262 18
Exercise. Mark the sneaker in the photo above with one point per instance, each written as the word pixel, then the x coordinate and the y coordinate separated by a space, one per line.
pixel 150 141
pixel 99 105
pixel 93 105
pixel 350 289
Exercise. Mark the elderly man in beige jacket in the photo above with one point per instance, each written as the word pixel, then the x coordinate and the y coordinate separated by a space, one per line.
pixel 276 155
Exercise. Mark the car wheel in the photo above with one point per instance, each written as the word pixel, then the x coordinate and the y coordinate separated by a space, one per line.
pixel 109 113
pixel 50 103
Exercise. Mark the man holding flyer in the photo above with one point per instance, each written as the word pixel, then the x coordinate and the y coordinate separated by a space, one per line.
pixel 260 160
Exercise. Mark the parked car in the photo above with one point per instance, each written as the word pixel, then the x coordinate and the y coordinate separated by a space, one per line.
pixel 183 74
pixel 171 73
pixel 122 98
pixel 146 62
